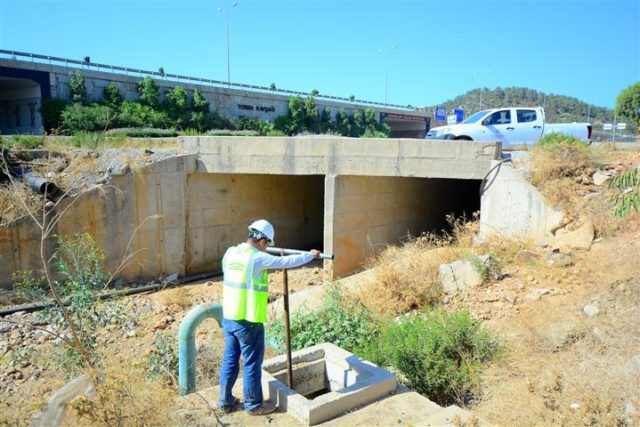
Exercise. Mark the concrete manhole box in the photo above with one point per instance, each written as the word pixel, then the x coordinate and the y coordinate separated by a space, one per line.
pixel 327 381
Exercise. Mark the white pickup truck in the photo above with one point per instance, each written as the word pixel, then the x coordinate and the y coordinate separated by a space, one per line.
pixel 511 126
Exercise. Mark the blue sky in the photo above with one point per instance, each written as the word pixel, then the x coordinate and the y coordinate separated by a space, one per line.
pixel 587 49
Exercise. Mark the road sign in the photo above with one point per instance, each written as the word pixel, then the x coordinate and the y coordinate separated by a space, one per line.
pixel 459 114
pixel 621 126
pixel 440 113
pixel 607 126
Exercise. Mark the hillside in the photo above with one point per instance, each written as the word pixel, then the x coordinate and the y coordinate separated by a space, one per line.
pixel 559 108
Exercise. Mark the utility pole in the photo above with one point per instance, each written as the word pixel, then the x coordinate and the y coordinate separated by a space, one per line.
pixel 226 11
pixel 386 69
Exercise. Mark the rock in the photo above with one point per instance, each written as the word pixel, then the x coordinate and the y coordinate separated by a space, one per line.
pixel 16 335
pixel 629 409
pixel 591 310
pixel 557 335
pixel 5 327
pixel 460 275
pixel 559 259
pixel 574 406
pixel 536 294
pixel 577 235
pixel 42 339
pixel 510 298
pixel 527 257
pixel 601 177
pixel 632 367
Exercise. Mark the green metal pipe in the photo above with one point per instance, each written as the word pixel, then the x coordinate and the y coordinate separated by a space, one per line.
pixel 187 344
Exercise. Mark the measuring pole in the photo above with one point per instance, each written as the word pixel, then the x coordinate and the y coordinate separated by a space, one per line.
pixel 287 330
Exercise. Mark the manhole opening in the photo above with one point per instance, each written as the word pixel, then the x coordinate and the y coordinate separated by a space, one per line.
pixel 320 376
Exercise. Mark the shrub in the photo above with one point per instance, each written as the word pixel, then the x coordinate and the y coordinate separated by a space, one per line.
pixel 558 156
pixel 340 321
pixel 77 117
pixel 51 110
pixel 438 354
pixel 137 115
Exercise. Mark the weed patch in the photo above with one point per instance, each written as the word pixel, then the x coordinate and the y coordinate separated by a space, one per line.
pixel 438 354
pixel 343 322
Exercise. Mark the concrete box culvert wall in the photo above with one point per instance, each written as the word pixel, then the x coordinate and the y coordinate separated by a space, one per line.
pixel 221 206
pixel 366 213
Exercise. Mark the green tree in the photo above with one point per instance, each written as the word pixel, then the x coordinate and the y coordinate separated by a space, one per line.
pixel 370 122
pixel 296 114
pixel 149 92
pixel 78 87
pixel 342 122
pixel 325 120
pixel 199 102
pixel 311 115
pixel 112 96
pixel 357 127
pixel 628 104
pixel 176 102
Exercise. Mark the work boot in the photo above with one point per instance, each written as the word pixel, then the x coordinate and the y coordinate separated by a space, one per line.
pixel 227 409
pixel 263 410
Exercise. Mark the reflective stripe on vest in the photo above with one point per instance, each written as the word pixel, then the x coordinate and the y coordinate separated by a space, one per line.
pixel 243 297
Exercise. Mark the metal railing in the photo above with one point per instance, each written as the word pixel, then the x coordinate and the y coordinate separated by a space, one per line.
pixel 55 60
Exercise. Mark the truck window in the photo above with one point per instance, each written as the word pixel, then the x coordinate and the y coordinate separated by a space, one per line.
pixel 525 116
pixel 502 117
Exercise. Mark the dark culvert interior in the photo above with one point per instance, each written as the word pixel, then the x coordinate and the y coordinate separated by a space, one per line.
pixel 221 206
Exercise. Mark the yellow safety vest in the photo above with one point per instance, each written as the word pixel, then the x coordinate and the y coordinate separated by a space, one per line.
pixel 243 299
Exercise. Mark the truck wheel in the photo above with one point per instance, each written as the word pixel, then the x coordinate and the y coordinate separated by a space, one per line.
pixel 463 138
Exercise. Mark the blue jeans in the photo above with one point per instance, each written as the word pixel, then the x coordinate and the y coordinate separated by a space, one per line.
pixel 246 338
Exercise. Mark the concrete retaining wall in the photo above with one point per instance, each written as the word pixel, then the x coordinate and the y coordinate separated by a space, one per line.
pixel 512 207
pixel 345 196
pixel 140 216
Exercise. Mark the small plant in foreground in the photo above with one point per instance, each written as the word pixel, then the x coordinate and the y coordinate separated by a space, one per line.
pixel 439 354
pixel 627 198
pixel 80 275
pixel 344 323
pixel 488 268
pixel 162 361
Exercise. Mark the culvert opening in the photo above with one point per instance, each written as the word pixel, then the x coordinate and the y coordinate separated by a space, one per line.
pixel 221 206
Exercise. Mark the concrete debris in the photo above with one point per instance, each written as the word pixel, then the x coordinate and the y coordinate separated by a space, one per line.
pixel 577 235
pixel 601 177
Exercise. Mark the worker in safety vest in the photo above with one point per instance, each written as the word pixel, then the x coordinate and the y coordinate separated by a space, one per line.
pixel 244 304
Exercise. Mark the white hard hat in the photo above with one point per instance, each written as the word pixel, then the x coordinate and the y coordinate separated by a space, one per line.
pixel 264 229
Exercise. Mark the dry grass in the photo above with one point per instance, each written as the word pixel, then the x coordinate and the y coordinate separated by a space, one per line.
pixel 406 277
pixel 594 376
pixel 123 397
pixel 11 207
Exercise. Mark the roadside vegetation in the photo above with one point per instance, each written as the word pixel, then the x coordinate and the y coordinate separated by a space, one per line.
pixel 174 112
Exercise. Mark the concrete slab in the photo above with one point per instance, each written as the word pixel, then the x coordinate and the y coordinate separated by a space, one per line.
pixel 327 381
pixel 402 408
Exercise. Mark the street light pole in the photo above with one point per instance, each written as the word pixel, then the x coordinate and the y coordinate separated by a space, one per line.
pixel 227 10
pixel 386 69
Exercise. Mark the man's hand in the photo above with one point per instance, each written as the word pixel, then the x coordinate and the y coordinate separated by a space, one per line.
pixel 315 253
